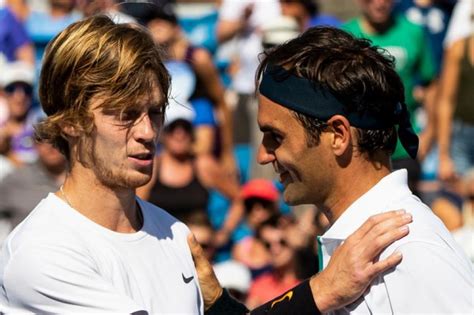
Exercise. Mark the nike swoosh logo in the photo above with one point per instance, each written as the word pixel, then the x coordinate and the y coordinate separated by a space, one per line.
pixel 187 280
pixel 288 295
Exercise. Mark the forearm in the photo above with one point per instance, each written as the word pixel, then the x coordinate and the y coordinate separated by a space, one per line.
pixel 226 127
pixel 444 117
pixel 234 216
pixel 204 142
pixel 429 105
pixel 228 29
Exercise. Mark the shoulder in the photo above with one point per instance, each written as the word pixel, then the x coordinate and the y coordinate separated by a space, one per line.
pixel 35 256
pixel 439 276
pixel 231 10
pixel 407 26
pixel 7 15
pixel 351 26
pixel 428 237
pixel 49 222
pixel 324 19
pixel 456 50
pixel 162 220
pixel 200 56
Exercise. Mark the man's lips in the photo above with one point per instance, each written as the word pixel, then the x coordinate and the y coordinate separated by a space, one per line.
pixel 144 159
pixel 284 177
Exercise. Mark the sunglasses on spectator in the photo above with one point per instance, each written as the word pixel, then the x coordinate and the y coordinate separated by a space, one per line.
pixel 207 246
pixel 13 87
pixel 282 242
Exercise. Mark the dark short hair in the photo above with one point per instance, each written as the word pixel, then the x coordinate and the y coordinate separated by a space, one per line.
pixel 359 75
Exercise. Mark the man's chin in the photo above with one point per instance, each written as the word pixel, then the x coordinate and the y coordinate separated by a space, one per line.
pixel 139 182
pixel 291 198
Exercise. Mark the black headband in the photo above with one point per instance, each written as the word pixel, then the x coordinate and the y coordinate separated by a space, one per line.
pixel 312 99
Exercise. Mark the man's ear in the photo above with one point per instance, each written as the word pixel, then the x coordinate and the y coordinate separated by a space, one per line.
pixel 69 130
pixel 342 137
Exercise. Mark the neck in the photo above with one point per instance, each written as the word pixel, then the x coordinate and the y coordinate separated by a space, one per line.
pixel 59 11
pixel 176 159
pixel 113 208
pixel 178 47
pixel 303 22
pixel 19 120
pixel 367 174
pixel 375 28
pixel 286 272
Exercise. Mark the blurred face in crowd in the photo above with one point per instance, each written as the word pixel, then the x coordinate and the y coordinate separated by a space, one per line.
pixel 51 158
pixel 274 240
pixel 260 211
pixel 293 8
pixel 66 5
pixel 122 146
pixel 305 171
pixel 18 96
pixel 376 11
pixel 204 235
pixel 91 7
pixel 178 138
pixel 163 32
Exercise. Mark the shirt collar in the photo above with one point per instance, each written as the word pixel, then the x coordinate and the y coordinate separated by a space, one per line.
pixel 376 200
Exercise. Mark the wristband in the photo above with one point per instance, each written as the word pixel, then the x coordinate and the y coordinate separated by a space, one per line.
pixel 298 300
pixel 226 305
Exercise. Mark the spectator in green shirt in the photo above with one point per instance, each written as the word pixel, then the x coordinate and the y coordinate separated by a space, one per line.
pixel 407 43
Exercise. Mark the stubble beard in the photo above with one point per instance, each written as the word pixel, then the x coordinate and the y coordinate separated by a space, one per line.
pixel 112 176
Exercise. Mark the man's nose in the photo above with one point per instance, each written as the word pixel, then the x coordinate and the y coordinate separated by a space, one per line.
pixel 264 156
pixel 145 130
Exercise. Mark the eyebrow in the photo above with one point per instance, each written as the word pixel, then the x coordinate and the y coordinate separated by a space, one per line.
pixel 267 128
pixel 152 104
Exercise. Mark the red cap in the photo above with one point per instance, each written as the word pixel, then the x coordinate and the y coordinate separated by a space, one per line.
pixel 260 188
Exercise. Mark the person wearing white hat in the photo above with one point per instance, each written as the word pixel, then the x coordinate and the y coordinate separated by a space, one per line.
pixel 279 30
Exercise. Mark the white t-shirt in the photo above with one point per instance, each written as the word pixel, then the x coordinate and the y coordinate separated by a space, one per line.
pixel 460 25
pixel 435 275
pixel 59 261
pixel 249 45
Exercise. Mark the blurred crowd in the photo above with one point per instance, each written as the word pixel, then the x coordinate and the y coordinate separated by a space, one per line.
pixel 205 172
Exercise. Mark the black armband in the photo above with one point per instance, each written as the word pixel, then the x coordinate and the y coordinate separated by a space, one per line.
pixel 298 300
pixel 226 305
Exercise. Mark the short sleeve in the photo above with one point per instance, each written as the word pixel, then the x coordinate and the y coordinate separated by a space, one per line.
pixel 231 10
pixel 204 112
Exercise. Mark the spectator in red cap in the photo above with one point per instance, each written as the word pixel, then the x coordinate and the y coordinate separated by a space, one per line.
pixel 260 198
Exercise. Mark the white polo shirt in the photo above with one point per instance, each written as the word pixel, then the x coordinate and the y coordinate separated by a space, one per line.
pixel 434 277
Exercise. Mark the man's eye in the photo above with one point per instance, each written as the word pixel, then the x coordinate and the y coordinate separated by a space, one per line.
pixel 272 138
pixel 277 138
pixel 130 115
pixel 157 112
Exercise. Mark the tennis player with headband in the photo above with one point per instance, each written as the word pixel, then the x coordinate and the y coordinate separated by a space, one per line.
pixel 331 108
